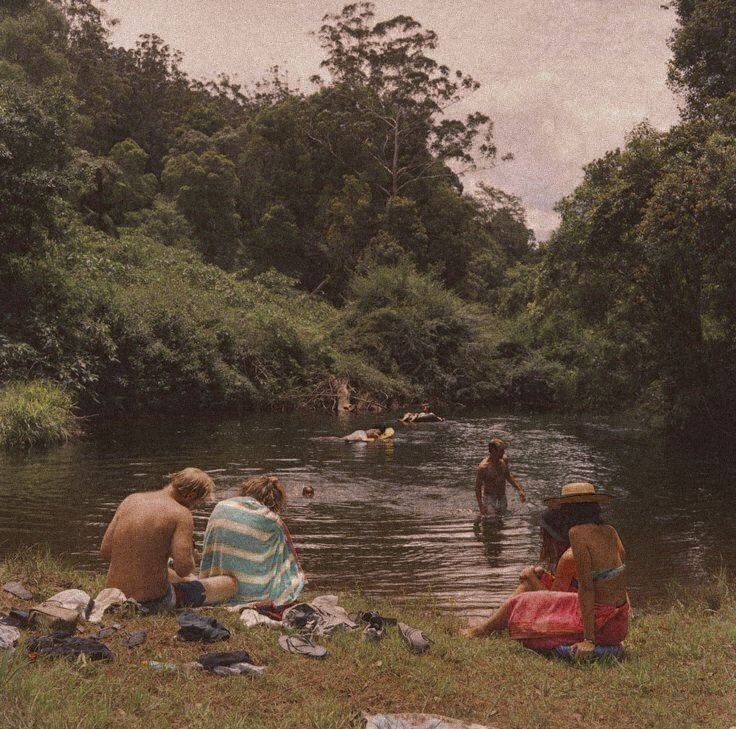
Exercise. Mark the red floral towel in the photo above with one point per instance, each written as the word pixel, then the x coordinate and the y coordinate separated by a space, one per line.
pixel 544 620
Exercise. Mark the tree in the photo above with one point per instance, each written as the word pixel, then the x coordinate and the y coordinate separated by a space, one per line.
pixel 35 129
pixel 703 64
pixel 397 95
pixel 205 188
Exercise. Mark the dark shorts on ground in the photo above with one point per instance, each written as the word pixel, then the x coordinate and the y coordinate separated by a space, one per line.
pixel 179 595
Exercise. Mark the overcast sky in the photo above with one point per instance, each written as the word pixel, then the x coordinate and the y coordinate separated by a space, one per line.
pixel 564 80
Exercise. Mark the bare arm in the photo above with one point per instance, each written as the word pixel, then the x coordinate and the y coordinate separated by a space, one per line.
pixel 181 546
pixel 620 548
pixel 479 488
pixel 106 546
pixel 586 591
pixel 564 573
pixel 510 478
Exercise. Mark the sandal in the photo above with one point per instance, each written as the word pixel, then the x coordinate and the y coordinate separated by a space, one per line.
pixel 415 638
pixel 302 645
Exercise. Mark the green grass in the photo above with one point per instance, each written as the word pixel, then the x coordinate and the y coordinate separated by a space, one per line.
pixel 35 413
pixel 680 672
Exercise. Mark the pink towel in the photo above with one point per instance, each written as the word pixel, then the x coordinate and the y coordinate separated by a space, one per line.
pixel 544 620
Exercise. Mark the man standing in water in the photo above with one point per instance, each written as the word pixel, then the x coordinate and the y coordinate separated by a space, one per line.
pixel 150 527
pixel 491 477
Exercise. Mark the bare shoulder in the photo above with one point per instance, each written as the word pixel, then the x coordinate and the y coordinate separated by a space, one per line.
pixel 580 532
pixel 483 464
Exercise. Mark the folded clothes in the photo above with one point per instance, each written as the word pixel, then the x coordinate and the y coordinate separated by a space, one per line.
pixel 600 651
pixel 322 616
pixel 18 590
pixel 106 599
pixel 251 618
pixel 240 669
pixel 213 659
pixel 61 644
pixel 77 600
pixel 16 618
pixel 193 627
pixel 9 637
pixel 416 721
pixel 135 639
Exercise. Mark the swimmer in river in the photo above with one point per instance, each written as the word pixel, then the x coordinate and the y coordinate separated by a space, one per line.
pixel 491 477
pixel 376 433
pixel 425 416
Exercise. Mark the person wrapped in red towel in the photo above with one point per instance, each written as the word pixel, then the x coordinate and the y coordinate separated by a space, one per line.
pixel 598 613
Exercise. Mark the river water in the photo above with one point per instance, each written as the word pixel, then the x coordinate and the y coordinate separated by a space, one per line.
pixel 398 518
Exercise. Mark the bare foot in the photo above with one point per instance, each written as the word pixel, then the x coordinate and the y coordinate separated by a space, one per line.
pixel 470 633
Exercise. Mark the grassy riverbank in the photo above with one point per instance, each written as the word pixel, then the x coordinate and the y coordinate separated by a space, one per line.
pixel 35 413
pixel 680 671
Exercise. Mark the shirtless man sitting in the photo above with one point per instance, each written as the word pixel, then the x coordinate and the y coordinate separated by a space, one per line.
pixel 491 477
pixel 150 527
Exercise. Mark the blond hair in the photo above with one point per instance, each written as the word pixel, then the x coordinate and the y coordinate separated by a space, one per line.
pixel 191 482
pixel 266 489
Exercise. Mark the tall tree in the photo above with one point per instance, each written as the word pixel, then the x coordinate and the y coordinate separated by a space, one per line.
pixel 703 46
pixel 397 96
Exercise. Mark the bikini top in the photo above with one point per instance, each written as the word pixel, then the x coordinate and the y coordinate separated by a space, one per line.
pixel 608 573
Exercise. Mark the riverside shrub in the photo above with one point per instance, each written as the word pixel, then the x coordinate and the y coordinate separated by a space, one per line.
pixel 35 413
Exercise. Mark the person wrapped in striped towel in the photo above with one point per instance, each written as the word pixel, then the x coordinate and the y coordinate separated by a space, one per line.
pixel 246 539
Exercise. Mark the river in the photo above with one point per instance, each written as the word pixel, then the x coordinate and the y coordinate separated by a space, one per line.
pixel 395 519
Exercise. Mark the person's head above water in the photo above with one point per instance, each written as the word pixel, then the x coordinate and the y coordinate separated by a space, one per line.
pixel 191 486
pixel 496 447
pixel 386 431
pixel 266 489
pixel 308 491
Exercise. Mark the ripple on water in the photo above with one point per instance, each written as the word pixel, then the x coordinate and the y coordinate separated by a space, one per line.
pixel 393 519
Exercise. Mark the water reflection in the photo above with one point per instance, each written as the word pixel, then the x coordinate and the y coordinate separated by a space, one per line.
pixel 395 518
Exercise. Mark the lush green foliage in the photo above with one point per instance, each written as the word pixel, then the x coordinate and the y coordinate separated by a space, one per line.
pixel 637 294
pixel 166 242
pixel 35 413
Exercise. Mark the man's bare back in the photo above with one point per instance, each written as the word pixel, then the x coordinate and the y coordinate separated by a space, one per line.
pixel 146 530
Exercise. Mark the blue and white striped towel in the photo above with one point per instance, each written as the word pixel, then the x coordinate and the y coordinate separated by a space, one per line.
pixel 248 541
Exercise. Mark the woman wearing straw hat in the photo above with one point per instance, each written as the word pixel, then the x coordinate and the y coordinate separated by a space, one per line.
pixel 598 613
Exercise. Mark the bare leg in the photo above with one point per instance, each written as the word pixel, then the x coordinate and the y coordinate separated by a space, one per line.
pixel 218 589
pixel 500 619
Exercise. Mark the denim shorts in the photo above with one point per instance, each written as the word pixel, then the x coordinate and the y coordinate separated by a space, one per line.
pixel 179 595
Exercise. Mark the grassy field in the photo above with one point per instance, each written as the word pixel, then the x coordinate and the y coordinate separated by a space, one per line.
pixel 680 672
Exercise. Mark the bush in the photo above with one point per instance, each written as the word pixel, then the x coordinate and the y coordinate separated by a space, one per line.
pixel 35 413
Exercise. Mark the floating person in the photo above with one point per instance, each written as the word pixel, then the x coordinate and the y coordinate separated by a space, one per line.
pixel 376 433
pixel 598 614
pixel 247 539
pixel 308 492
pixel 150 527
pixel 491 477
pixel 425 416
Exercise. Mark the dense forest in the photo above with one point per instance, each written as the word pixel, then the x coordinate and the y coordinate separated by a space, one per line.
pixel 174 244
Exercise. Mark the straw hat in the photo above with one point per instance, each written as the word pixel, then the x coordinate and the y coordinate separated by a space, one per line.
pixel 580 492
